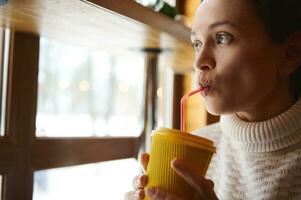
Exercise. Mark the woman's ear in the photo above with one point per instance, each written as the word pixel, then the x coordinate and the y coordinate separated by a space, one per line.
pixel 292 54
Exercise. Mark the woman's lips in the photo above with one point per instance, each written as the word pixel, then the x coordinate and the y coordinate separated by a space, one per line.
pixel 205 85
pixel 204 82
pixel 205 90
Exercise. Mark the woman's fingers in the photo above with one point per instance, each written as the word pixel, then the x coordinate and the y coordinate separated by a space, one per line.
pixel 188 174
pixel 130 195
pixel 140 181
pixel 210 183
pixel 144 158
pixel 139 194
pixel 134 195
pixel 160 194
pixel 201 184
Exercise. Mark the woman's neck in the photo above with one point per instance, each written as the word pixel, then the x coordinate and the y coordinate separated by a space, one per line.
pixel 269 107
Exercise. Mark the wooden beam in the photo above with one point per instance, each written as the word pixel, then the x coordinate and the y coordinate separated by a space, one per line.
pixel 133 10
pixel 21 112
pixel 22 88
pixel 8 154
pixel 178 92
pixel 51 153
pixel 18 184
pixel 115 26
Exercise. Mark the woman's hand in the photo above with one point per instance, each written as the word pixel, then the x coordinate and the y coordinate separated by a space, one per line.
pixel 139 182
pixel 203 186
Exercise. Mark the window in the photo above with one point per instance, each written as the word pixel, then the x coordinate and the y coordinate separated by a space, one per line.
pixel 88 93
pixel 83 93
pixel 28 161
pixel 106 180
pixel 151 2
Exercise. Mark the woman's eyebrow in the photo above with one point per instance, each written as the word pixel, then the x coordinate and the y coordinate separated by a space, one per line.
pixel 228 23
pixel 220 23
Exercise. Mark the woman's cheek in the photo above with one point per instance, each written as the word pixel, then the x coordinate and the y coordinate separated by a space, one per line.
pixel 227 81
pixel 231 90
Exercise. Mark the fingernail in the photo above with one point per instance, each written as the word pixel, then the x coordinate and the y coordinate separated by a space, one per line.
pixel 176 163
pixel 142 180
pixel 150 191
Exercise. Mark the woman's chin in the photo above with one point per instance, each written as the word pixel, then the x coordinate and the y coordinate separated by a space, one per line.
pixel 215 109
pixel 214 112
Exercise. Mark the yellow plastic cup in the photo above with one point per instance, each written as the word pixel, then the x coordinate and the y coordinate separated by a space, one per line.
pixel 168 144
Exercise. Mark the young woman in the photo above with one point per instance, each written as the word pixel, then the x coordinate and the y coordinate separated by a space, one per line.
pixel 248 55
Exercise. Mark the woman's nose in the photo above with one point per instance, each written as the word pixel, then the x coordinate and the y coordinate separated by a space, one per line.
pixel 204 60
pixel 204 67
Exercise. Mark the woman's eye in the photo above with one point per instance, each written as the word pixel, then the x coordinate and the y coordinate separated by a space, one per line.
pixel 197 45
pixel 223 38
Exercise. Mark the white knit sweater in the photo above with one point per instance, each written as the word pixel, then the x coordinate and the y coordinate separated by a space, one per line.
pixel 257 160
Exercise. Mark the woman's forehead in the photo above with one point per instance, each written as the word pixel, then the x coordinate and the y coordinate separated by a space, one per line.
pixel 236 12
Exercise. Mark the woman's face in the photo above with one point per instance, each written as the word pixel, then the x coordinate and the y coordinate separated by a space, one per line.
pixel 234 56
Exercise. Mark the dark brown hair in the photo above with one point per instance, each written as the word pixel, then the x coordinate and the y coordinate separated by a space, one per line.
pixel 281 19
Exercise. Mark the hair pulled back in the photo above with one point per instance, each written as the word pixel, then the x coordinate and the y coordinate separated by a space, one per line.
pixel 281 19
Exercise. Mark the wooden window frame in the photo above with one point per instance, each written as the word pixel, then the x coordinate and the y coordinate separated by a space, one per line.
pixel 22 153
